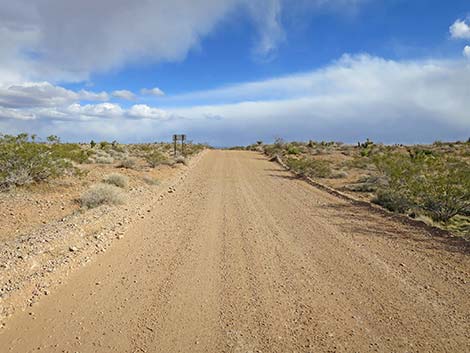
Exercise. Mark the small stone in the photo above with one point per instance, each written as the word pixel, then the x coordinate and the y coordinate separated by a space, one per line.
pixel 73 248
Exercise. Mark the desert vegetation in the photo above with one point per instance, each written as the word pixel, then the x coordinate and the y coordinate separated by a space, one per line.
pixel 25 159
pixel 100 194
pixel 116 179
pixel 44 179
pixel 428 182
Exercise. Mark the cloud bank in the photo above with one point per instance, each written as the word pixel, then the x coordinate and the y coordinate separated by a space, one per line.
pixel 350 99
pixel 58 40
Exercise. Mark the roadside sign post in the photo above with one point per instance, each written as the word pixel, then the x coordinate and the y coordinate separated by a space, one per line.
pixel 177 138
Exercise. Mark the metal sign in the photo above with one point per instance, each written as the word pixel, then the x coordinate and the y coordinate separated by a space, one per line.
pixel 182 138
pixel 179 137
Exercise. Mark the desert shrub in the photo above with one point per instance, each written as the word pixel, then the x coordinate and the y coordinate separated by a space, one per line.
pixel 293 150
pixel 338 174
pixel 155 158
pixel 100 194
pixel 437 185
pixel 310 167
pixel 151 181
pixel 104 145
pixel 23 161
pixel 361 187
pixel 181 159
pixel 128 163
pixel 116 179
pixel 392 200
pixel 104 160
pixel 71 151
pixel 193 148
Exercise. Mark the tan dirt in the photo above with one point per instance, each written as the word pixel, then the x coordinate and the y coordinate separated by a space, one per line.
pixel 243 257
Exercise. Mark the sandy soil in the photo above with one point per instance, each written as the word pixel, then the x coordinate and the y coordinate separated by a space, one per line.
pixel 242 257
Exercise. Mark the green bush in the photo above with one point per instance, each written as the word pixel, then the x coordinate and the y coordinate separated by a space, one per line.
pixel 436 184
pixel 24 161
pixel 310 167
pixel 392 200
pixel 293 150
pixel 155 158
pixel 71 151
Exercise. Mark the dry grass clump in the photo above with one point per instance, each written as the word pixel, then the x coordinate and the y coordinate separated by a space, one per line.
pixel 128 163
pixel 100 194
pixel 151 181
pixel 104 160
pixel 116 179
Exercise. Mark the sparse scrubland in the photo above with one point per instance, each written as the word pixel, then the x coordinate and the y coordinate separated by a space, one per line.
pixel 42 180
pixel 428 182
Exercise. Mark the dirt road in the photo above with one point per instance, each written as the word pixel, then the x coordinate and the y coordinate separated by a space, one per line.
pixel 244 258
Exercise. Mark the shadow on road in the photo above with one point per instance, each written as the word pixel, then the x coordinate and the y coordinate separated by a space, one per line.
pixel 351 221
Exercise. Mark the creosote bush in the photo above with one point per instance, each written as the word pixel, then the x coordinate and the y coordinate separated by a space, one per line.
pixel 436 184
pixel 24 161
pixel 155 158
pixel 310 167
pixel 116 179
pixel 100 194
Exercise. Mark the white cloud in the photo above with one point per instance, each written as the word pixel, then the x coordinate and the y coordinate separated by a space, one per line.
pixel 16 114
pixel 55 40
pixel 460 30
pixel 466 51
pixel 271 30
pixel 123 94
pixel 42 94
pixel 92 96
pixel 351 99
pixel 103 110
pixel 152 91
pixel 143 111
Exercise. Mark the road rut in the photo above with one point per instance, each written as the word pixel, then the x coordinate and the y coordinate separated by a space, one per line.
pixel 244 257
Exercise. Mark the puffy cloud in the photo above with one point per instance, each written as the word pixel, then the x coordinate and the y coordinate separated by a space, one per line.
pixel 92 96
pixel 103 110
pixel 143 111
pixel 152 91
pixel 123 94
pixel 466 51
pixel 351 99
pixel 460 30
pixel 42 94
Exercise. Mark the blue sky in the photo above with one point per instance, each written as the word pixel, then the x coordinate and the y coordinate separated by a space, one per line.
pixel 235 71
pixel 399 29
